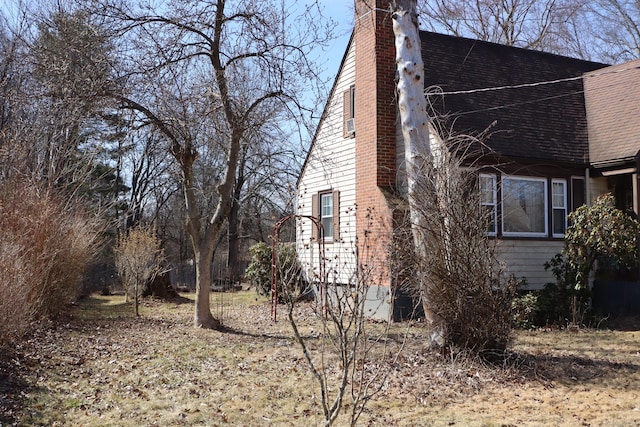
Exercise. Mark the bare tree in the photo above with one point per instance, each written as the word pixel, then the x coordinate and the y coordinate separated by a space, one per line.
pixel 143 159
pixel 52 117
pixel 266 171
pixel 613 27
pixel 12 107
pixel 186 63
pixel 533 24
pixel 71 65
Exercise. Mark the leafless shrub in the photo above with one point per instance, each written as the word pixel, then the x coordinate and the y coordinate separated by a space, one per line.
pixel 350 358
pixel 463 283
pixel 44 250
pixel 139 258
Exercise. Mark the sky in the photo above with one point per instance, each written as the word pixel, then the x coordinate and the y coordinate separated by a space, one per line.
pixel 340 11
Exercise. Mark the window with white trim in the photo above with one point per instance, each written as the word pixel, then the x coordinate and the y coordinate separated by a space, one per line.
pixel 488 201
pixel 326 214
pixel 559 207
pixel 524 206
pixel 325 206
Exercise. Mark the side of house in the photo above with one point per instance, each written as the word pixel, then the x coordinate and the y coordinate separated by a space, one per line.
pixel 326 187
pixel 524 108
pixel 613 116
pixel 353 155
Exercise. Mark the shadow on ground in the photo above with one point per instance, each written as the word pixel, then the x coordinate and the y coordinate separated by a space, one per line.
pixel 12 387
pixel 568 369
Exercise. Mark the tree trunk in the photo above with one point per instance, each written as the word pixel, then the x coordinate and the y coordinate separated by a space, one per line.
pixel 415 130
pixel 233 255
pixel 136 297
pixel 204 241
pixel 202 246
pixel 202 316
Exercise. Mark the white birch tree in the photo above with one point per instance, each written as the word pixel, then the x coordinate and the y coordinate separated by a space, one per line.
pixel 465 295
pixel 415 131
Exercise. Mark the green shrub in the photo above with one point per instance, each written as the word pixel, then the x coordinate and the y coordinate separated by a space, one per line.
pixel 562 301
pixel 290 281
pixel 259 269
pixel 525 308
pixel 598 233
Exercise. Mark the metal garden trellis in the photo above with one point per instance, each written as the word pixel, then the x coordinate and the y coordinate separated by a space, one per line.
pixel 275 262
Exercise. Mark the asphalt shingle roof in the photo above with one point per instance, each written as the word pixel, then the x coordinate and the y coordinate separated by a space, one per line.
pixel 613 111
pixel 540 123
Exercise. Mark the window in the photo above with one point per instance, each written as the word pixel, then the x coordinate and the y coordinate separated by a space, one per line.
pixel 488 201
pixel 349 112
pixel 559 206
pixel 529 206
pixel 326 214
pixel 524 207
pixel 326 207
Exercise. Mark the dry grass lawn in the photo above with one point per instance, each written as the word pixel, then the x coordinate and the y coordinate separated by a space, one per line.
pixel 104 367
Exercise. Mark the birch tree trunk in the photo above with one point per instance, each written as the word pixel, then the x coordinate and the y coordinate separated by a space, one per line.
pixel 415 130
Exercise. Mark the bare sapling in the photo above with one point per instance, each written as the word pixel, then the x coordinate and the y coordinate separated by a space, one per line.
pixel 139 259
pixel 349 357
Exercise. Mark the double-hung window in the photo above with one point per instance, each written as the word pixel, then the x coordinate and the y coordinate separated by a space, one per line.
pixel 488 201
pixel 326 214
pixel 559 206
pixel 524 206
pixel 326 208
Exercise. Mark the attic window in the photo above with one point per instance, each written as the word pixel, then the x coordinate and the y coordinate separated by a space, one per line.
pixel 349 110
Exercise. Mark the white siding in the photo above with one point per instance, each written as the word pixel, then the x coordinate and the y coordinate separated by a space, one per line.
pixel 331 166
pixel 526 258
pixel 435 145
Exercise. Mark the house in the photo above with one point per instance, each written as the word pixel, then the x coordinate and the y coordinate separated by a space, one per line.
pixel 542 158
pixel 611 99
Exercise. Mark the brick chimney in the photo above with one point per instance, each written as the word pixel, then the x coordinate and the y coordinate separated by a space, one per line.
pixel 375 123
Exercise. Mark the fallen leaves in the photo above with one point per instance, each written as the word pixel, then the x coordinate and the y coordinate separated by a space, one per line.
pixel 104 369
